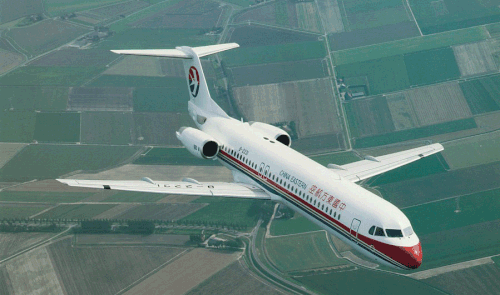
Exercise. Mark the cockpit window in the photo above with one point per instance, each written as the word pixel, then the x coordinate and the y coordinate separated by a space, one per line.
pixel 372 230
pixel 408 231
pixel 394 233
pixel 379 232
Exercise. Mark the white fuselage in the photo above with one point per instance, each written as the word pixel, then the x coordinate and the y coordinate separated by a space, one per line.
pixel 341 207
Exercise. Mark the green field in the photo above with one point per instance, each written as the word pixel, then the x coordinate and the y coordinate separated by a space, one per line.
pixel 374 13
pixel 243 3
pixel 76 211
pixel 416 133
pixel 54 76
pixel 384 75
pixel 57 127
pixel 482 94
pixel 410 45
pixel 106 128
pixel 173 99
pixel 302 252
pixel 17 126
pixel 484 148
pixel 274 53
pixel 369 117
pixel 281 12
pixel 431 66
pixel 362 281
pixel 133 197
pixel 133 81
pixel 34 98
pixel 227 211
pixel 51 161
pixel 47 197
pixel 172 156
pixel 297 224
pixel 336 158
pixel 59 7
pixel 19 211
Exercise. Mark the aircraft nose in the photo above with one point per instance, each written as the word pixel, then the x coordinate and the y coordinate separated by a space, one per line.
pixel 415 256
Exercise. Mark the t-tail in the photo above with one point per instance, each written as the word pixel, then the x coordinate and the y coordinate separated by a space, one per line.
pixel 200 100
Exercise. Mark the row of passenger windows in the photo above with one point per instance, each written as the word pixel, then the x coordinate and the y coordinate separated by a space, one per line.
pixel 391 233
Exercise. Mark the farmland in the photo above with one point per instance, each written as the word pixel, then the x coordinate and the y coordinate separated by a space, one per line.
pixel 15 242
pixel 136 66
pixel 171 156
pixel 336 158
pixel 278 72
pixel 384 75
pixel 282 13
pixel 198 265
pixel 201 19
pixel 161 211
pixel 8 150
pixel 45 76
pixel 369 117
pixel 58 7
pixel 44 36
pixel 61 159
pixel 483 147
pixel 296 225
pixel 133 81
pixel 9 60
pixel 160 128
pixel 427 67
pixel 57 127
pixel 134 197
pixel 73 57
pixel 91 270
pixel 100 99
pixel 482 94
pixel 171 99
pixel 410 45
pixel 131 239
pixel 476 58
pixel 235 279
pixel 308 17
pixel 42 197
pixel 75 211
pixel 110 11
pixel 14 211
pixel 12 10
pixel 323 143
pixel 115 211
pixel 17 126
pixel 106 127
pixel 274 53
pixel 41 98
pixel 481 279
pixel 403 116
pixel 302 252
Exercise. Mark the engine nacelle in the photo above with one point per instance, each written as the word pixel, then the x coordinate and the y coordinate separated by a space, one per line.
pixel 272 132
pixel 198 143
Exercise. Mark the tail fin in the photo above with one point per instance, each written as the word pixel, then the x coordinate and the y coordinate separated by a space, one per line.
pixel 197 85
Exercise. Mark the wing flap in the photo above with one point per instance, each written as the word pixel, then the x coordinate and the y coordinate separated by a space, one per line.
pixel 372 166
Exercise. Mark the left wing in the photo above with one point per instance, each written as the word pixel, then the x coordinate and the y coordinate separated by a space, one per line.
pixel 372 166
pixel 185 187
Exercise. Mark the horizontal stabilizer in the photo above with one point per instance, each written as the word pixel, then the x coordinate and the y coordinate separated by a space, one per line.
pixel 178 52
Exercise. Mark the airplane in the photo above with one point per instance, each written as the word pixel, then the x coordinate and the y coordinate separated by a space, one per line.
pixel 265 167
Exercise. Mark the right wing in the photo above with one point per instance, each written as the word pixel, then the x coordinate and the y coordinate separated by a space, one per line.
pixel 187 187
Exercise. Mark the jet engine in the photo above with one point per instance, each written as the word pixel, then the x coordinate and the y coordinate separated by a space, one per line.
pixel 272 132
pixel 198 143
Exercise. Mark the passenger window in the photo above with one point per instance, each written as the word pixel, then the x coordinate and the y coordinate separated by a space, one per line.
pixel 334 214
pixel 379 232
pixel 372 230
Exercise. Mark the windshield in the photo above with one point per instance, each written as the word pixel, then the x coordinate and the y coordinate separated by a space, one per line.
pixel 394 233
pixel 408 231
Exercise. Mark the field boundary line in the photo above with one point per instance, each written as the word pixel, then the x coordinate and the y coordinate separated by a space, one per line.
pixel 414 18
pixel 268 226
pixel 252 22
pixel 304 233
pixel 17 184
pixel 425 274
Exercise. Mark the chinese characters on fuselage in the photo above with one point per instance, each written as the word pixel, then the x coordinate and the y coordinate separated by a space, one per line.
pixel 324 196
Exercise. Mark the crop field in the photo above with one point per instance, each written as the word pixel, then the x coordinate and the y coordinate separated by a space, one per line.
pixel 100 99
pixel 159 128
pixel 416 133
pixel 475 58
pixel 73 57
pixel 15 242
pixel 118 9
pixel 340 158
pixel 40 98
pixel 442 185
pixel 197 265
pixel 58 160
pixel 133 81
pixel 9 60
pixel 308 17
pixel 17 126
pixel 281 13
pixel 482 279
pixel 33 273
pixel 134 197
pixel 57 127
pixel 367 14
pixel 107 128
pixel 329 13
pixel 59 7
pixel 439 103
pixel 373 282
pixel 200 20
pixel 161 211
pixel 162 99
pixel 257 36
pixel 384 75
pixel 369 116
pixel 453 14
pixel 12 10
pixel 92 270
pixel 45 35
pixel 9 150
pixel 296 225
pixel 302 252
pixel 291 101
pixel 171 156
pixel 483 147
pixel 227 210
pixel 410 45
pixel 324 143
pixel 403 115
pixel 482 94
pixel 171 67
pixel 235 279
pixel 42 197
pixel 130 239
pixel 148 66
pixel 427 67
pixel 75 211
pixel 115 211
pixel 278 72
pixel 46 76
pixel 15 211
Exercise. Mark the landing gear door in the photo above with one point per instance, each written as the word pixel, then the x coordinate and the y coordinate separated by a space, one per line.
pixel 355 228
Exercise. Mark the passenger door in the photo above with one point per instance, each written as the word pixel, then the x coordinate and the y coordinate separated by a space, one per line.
pixel 355 228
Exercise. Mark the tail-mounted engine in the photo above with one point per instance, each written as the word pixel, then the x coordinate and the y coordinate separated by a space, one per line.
pixel 272 132
pixel 198 142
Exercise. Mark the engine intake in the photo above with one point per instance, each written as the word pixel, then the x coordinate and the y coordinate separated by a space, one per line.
pixel 198 143
pixel 271 131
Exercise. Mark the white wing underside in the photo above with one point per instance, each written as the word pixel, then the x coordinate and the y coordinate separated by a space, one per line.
pixel 372 166
pixel 215 189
